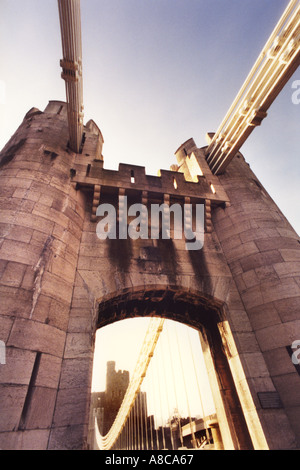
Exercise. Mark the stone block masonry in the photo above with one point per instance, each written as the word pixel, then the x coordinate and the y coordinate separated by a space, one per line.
pixel 261 249
pixel 59 283
pixel 41 223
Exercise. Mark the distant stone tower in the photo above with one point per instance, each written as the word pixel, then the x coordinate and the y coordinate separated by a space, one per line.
pixel 116 386
pixel 59 283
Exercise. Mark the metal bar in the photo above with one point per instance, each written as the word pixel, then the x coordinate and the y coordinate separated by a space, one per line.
pixel 277 62
pixel 70 25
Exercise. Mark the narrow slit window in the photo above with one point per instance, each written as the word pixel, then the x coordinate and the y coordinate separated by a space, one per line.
pixel 132 177
pixel 175 183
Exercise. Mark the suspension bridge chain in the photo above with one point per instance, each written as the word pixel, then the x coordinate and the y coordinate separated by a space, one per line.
pixel 70 24
pixel 277 62
pixel 147 350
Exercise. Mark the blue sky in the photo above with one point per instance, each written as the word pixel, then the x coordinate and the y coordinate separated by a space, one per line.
pixel 156 72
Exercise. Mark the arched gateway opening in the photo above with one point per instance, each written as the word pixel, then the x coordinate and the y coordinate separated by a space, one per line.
pixel 208 317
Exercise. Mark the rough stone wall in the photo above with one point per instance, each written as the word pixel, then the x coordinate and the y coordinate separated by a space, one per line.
pixel 114 270
pixel 263 253
pixel 57 277
pixel 41 224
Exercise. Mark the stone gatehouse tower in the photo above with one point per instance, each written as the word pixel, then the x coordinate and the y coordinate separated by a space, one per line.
pixel 59 283
pixel 116 386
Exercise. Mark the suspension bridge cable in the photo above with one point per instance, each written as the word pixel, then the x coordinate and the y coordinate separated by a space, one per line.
pixel 185 388
pixel 137 420
pixel 141 420
pixel 146 422
pixel 151 432
pixel 155 422
pixel 160 399
pixel 152 384
pixel 198 387
pixel 174 381
pixel 167 395
pixel 151 422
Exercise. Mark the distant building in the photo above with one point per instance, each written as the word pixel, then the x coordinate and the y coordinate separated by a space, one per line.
pixel 106 405
pixel 108 402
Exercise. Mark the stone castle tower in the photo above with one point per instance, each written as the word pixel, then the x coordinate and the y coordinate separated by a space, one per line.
pixel 60 282
pixel 116 386
pixel 108 402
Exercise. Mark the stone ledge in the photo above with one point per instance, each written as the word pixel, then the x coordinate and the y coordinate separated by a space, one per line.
pixel 35 336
